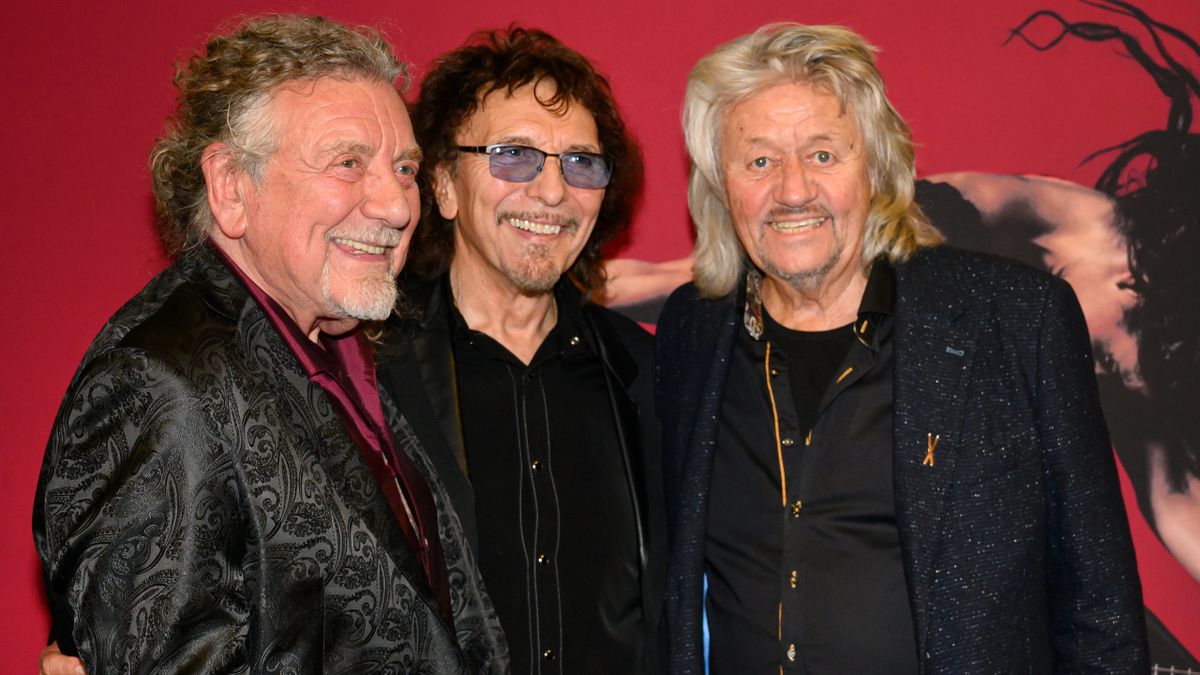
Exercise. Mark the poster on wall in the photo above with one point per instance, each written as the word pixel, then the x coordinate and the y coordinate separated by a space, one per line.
pixel 1016 157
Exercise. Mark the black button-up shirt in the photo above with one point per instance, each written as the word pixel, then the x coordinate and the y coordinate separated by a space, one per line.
pixel 557 535
pixel 803 553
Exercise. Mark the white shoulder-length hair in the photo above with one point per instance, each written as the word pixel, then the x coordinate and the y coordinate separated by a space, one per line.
pixel 832 58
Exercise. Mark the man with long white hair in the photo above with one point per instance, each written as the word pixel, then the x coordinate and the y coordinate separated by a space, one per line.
pixel 883 455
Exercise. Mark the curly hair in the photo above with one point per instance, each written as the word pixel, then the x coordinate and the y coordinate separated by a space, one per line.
pixel 506 60
pixel 837 60
pixel 225 95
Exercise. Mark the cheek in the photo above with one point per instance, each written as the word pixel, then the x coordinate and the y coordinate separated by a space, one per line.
pixel 590 204
pixel 746 209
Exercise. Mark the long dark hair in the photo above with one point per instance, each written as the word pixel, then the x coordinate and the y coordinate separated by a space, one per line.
pixel 506 60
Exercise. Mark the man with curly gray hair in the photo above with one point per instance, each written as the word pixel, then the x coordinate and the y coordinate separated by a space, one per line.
pixel 226 488
pixel 882 455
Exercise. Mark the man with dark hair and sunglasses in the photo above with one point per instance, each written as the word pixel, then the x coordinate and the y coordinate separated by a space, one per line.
pixel 534 402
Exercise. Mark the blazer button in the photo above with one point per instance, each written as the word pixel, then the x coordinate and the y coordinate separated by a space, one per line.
pixel 536 465
pixel 548 655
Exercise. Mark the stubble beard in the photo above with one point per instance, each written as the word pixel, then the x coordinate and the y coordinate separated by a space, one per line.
pixel 535 272
pixel 802 280
pixel 369 298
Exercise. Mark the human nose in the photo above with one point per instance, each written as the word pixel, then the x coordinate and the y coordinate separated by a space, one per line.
pixel 548 185
pixel 388 199
pixel 797 185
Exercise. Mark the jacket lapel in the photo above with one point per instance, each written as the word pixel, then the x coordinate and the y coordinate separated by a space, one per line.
pixel 435 359
pixel 416 368
pixel 934 350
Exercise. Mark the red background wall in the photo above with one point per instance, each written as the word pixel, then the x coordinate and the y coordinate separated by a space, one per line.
pixel 87 85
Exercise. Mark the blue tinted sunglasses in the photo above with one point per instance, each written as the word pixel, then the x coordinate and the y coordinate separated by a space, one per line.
pixel 521 164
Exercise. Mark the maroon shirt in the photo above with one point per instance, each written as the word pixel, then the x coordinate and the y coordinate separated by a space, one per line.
pixel 344 367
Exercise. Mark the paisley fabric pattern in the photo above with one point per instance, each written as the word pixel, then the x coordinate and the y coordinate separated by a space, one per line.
pixel 201 508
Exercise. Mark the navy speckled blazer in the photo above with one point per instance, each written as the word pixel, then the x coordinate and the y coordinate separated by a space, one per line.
pixel 1015 543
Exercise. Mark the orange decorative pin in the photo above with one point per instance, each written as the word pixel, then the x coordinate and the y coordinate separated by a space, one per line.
pixel 931 444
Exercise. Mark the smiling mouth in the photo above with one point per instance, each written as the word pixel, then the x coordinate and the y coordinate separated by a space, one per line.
pixel 360 247
pixel 796 225
pixel 533 226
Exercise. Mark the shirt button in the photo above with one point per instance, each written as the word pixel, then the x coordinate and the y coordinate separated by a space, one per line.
pixel 796 506
pixel 774 372
pixel 548 655
pixel 791 652
pixel 543 559
pixel 536 465
pixel 787 442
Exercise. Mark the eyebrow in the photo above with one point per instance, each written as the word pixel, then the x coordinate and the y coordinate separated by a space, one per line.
pixel 525 140
pixel 354 147
pixel 819 138
pixel 359 148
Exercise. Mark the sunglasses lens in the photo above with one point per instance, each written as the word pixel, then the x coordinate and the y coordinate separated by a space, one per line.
pixel 520 164
pixel 585 170
pixel 515 163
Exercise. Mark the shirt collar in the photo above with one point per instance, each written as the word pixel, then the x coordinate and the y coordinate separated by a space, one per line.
pixel 564 338
pixel 878 301
pixel 332 356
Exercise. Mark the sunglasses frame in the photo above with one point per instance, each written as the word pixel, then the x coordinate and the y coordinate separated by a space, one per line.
pixel 492 151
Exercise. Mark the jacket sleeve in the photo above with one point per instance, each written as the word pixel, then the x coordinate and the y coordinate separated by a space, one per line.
pixel 138 520
pixel 1096 613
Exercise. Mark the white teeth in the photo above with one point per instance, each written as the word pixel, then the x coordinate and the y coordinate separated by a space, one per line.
pixel 361 247
pixel 536 228
pixel 794 225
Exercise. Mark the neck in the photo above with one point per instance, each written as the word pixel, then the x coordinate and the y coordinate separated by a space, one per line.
pixel 826 304
pixel 311 325
pixel 519 321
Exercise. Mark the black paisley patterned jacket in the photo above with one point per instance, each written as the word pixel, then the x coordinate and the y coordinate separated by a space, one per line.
pixel 201 508
pixel 1015 545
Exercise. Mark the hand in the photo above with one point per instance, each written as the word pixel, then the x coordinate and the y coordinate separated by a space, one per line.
pixel 53 662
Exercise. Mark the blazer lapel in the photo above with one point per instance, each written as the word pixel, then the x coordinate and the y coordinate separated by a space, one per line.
pixel 934 350
pixel 416 368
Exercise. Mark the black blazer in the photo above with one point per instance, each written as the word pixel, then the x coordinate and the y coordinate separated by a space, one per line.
pixel 201 508
pixel 1015 544
pixel 416 366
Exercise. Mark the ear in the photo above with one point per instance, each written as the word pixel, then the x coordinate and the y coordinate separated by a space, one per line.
pixel 445 193
pixel 224 179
